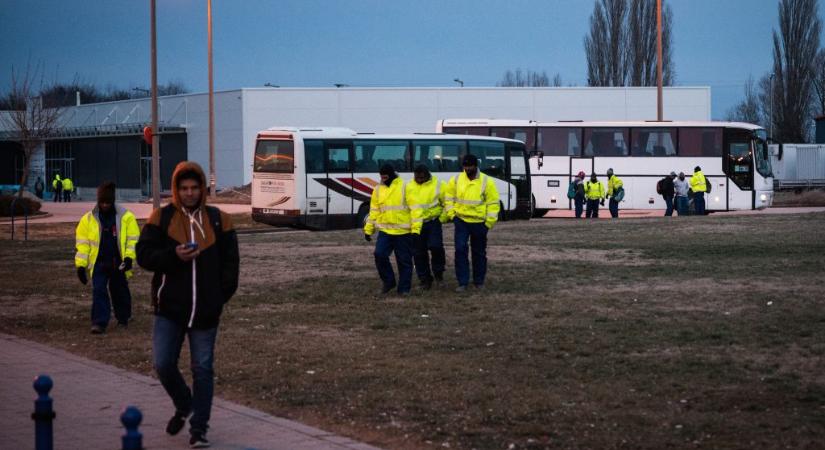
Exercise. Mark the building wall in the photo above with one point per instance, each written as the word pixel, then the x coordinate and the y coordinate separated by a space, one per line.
pixel 241 114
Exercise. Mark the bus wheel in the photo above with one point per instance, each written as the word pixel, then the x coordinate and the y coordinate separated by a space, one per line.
pixel 362 215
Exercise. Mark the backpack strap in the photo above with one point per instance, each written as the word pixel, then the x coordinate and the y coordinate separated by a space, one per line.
pixel 166 214
pixel 214 215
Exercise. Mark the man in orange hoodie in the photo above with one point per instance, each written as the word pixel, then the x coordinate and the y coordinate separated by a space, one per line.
pixel 193 251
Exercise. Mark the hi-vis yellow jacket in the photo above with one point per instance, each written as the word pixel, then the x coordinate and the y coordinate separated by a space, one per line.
pixel 613 185
pixel 473 201
pixel 57 183
pixel 87 238
pixel 389 211
pixel 426 202
pixel 593 191
pixel 67 184
pixel 698 182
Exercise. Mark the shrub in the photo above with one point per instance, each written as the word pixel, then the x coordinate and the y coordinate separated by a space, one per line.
pixel 5 205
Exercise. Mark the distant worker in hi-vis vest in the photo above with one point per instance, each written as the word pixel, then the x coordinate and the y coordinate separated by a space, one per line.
pixel 472 203
pixel 390 217
pixel 698 184
pixel 594 193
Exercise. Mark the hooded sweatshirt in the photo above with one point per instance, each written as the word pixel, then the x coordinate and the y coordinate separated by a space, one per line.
pixel 190 293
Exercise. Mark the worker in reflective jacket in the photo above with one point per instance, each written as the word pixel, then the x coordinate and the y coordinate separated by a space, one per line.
pixel 594 193
pixel 425 196
pixel 68 187
pixel 698 184
pixel 105 239
pixel 614 185
pixel 472 204
pixel 57 188
pixel 390 216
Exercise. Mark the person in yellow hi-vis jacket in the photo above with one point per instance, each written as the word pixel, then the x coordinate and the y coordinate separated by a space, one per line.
pixel 390 217
pixel 425 196
pixel 472 204
pixel 105 239
pixel 594 193
pixel 615 188
pixel 68 187
pixel 699 185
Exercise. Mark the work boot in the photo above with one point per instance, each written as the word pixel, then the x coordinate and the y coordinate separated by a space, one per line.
pixel 97 329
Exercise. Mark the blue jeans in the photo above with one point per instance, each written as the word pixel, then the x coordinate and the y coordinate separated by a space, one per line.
pixel 682 206
pixel 431 241
pixel 699 203
pixel 578 201
pixel 167 340
pixel 669 206
pixel 613 205
pixel 592 209
pixel 476 233
pixel 105 282
pixel 403 248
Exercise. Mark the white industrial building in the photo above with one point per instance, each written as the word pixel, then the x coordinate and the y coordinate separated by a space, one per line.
pixel 102 141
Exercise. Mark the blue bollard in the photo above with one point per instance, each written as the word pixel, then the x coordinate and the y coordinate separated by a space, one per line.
pixel 130 419
pixel 43 414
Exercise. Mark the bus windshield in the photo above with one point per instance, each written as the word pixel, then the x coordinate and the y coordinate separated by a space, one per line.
pixel 274 156
pixel 761 156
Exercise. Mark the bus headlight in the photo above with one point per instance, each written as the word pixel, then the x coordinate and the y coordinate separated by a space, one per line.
pixel 763 197
pixel 716 199
pixel 553 199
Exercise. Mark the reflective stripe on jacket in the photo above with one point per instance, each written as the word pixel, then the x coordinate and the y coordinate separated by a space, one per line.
pixel 87 238
pixel 426 202
pixel 473 201
pixel 698 182
pixel 613 185
pixel 593 191
pixel 388 209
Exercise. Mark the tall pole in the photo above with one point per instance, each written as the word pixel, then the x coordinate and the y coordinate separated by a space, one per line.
pixel 659 106
pixel 211 105
pixel 770 119
pixel 155 129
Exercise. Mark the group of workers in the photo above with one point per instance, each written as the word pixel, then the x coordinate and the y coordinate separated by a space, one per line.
pixel 592 194
pixel 408 218
pixel 62 188
pixel 588 195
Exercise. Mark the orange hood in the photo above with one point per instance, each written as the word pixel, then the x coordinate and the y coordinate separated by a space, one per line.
pixel 186 166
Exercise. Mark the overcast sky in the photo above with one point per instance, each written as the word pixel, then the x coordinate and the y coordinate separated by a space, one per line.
pixel 311 43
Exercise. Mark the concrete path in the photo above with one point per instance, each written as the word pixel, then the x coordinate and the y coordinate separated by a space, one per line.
pixel 71 212
pixel 89 397
pixel 604 213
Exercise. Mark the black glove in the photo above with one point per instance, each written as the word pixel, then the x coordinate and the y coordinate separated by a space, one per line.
pixel 127 265
pixel 81 275
pixel 367 238
pixel 602 202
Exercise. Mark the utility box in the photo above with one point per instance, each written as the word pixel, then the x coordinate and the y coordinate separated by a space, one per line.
pixel 798 166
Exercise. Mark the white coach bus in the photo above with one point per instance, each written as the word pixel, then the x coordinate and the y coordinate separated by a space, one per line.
pixel 323 178
pixel 733 156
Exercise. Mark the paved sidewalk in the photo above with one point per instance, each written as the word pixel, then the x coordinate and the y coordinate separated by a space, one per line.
pixel 89 397
pixel 71 212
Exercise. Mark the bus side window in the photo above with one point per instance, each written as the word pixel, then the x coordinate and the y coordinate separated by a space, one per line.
pixel 314 156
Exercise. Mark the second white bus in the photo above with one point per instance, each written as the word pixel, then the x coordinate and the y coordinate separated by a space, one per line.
pixel 733 156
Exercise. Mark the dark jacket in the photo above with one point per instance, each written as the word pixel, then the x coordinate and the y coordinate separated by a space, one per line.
pixel 215 270
pixel 667 187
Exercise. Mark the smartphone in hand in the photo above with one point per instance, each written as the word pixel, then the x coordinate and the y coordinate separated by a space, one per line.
pixel 191 245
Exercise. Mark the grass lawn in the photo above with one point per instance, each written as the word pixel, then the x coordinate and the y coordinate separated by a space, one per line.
pixel 640 333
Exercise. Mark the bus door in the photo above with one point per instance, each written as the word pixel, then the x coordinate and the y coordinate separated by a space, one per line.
pixel 579 164
pixel 339 183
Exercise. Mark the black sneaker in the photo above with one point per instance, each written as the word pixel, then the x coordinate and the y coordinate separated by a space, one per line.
pixel 176 424
pixel 198 440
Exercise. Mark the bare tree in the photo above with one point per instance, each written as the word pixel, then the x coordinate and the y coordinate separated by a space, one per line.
pixel 750 108
pixel 31 119
pixel 795 49
pixel 819 83
pixel 604 46
pixel 641 44
pixel 519 78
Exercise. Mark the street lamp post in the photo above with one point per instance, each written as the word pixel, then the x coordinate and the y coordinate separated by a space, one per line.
pixel 155 130
pixel 461 83
pixel 212 180
pixel 659 100
pixel 770 119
